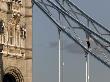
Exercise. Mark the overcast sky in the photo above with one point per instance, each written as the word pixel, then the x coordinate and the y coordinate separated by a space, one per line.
pixel 45 49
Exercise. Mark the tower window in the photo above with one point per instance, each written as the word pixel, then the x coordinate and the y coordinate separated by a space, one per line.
pixel 4 36
pixel 23 32
pixel 11 37
pixel 9 5
pixel 18 38
pixel 1 26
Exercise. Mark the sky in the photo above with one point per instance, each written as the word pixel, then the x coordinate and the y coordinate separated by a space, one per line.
pixel 45 47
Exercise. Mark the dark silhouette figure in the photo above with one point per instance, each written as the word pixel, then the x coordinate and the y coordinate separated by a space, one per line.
pixel 88 44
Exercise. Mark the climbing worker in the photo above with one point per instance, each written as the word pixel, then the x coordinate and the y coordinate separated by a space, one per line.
pixel 88 43
pixel 88 46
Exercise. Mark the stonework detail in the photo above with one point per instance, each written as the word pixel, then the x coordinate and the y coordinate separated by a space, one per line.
pixel 16 38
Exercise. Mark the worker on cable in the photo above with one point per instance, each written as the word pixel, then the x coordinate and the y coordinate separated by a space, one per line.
pixel 88 41
pixel 88 44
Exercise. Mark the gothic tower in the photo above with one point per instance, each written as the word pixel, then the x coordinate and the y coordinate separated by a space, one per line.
pixel 16 40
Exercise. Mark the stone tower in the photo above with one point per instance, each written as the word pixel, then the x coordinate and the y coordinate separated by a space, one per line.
pixel 16 40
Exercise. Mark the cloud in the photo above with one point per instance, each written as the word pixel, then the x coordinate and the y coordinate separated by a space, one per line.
pixel 53 44
pixel 73 48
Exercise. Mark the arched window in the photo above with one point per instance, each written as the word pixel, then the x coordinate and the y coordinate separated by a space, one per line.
pixel 11 36
pixel 9 5
pixel 23 32
pixel 18 38
pixel 4 37
pixel 1 26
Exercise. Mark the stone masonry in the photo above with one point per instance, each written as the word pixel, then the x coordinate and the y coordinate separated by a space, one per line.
pixel 16 39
